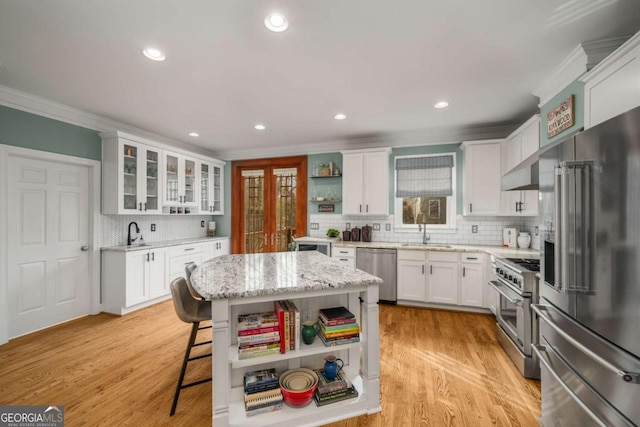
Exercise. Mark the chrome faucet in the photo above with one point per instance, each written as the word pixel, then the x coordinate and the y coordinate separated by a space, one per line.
pixel 129 240
pixel 425 236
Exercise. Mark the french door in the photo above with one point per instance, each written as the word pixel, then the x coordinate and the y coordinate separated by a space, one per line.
pixel 269 204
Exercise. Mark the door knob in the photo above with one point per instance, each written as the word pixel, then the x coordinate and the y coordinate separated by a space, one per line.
pixel 84 248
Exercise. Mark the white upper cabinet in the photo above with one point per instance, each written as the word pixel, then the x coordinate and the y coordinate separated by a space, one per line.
pixel 210 177
pixel 140 176
pixel 482 177
pixel 613 86
pixel 365 182
pixel 131 172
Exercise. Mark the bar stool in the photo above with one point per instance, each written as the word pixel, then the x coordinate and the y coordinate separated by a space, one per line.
pixel 194 311
pixel 188 269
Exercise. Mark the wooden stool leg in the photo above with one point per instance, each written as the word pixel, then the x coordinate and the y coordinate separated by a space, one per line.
pixel 192 339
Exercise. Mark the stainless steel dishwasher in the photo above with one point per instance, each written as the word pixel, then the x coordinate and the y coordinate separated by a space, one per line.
pixel 380 263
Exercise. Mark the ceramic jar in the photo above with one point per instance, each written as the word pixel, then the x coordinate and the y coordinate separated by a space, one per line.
pixel 308 332
pixel 524 240
pixel 332 366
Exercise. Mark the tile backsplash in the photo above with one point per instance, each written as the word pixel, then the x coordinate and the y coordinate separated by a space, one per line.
pixel 489 229
pixel 114 227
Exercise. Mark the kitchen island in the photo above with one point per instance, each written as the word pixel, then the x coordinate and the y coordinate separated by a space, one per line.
pixel 242 284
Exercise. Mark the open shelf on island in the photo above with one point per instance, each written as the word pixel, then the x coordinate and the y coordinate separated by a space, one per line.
pixel 305 350
pixel 308 415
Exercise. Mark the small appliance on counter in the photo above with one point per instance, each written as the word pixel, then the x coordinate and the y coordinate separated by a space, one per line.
pixel 355 234
pixel 510 238
pixel 366 233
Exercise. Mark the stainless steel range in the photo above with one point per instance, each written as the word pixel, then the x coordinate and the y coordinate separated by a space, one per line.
pixel 517 284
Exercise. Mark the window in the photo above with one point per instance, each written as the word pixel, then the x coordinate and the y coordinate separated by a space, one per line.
pixel 425 191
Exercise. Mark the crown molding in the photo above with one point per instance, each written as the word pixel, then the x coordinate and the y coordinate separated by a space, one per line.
pixel 23 101
pixel 579 61
pixel 629 45
pixel 396 139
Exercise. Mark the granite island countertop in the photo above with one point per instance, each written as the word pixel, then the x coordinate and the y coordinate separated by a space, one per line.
pixel 161 244
pixel 444 247
pixel 248 275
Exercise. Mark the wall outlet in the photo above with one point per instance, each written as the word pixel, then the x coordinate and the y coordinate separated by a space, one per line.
pixel 202 224
pixel 535 230
pixel 315 226
pixel 153 227
pixel 305 315
pixel 376 227
pixel 348 226
pixel 387 227
pixel 474 229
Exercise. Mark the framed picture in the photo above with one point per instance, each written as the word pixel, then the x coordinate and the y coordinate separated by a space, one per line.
pixel 325 208
pixel 561 117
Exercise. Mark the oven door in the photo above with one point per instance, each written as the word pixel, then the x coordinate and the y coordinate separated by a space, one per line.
pixel 513 315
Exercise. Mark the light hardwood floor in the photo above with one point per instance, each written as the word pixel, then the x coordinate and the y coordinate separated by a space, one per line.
pixel 438 368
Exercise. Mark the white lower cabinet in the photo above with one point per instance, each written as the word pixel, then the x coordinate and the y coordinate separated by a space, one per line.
pixel 140 277
pixel 449 278
pixel 345 255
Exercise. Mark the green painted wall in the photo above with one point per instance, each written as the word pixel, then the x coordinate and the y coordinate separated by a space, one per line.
pixel 324 187
pixel 223 222
pixel 577 90
pixel 426 149
pixel 27 130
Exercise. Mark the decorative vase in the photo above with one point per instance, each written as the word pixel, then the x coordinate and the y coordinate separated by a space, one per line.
pixel 332 367
pixel 524 240
pixel 308 332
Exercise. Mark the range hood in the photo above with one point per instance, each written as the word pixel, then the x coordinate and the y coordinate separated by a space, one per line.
pixel 522 177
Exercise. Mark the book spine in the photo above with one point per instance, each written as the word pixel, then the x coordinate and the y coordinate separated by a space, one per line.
pixel 265 409
pixel 340 328
pixel 292 326
pixel 296 331
pixel 336 337
pixel 287 336
pixel 335 394
pixel 256 403
pixel 332 343
pixel 350 331
pixel 258 388
pixel 262 394
pixel 252 348
pixel 254 339
pixel 336 322
pixel 280 313
pixel 257 331
pixel 256 321
pixel 337 399
pixel 269 352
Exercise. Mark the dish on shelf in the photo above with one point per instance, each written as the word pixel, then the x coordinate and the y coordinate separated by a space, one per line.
pixel 298 386
pixel 320 199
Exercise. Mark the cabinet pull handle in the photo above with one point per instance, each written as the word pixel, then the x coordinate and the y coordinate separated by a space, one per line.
pixel 470 207
pixel 422 269
pixel 145 206
pixel 431 269
pixel 344 259
pixel 517 207
pixel 464 270
pixel 147 257
pixel 471 257
pixel 153 256
pixel 140 206
pixel 189 249
pixel 360 208
pixel 367 208
pixel 344 252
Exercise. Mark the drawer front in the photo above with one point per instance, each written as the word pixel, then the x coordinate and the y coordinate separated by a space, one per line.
pixel 412 255
pixel 472 258
pixel 339 252
pixel 177 264
pixel 444 256
pixel 347 261
pixel 186 249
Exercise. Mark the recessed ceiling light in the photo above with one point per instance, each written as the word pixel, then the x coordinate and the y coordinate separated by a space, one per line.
pixel 276 22
pixel 194 134
pixel 260 127
pixel 339 116
pixel 441 104
pixel 154 54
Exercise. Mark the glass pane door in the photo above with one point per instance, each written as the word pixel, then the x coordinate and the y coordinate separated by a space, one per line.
pixel 254 221
pixel 130 177
pixel 153 185
pixel 171 173
pixel 217 186
pixel 285 215
pixel 204 187
pixel 189 181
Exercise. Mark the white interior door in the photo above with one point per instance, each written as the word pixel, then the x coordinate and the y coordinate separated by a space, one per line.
pixel 48 242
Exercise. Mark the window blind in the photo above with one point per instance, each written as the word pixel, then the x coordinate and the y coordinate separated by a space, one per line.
pixel 424 176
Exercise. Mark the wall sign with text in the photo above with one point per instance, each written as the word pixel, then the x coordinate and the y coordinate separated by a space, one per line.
pixel 561 117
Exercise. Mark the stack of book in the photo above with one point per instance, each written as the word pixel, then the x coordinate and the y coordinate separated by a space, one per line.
pixel 332 391
pixel 338 326
pixel 258 335
pixel 289 320
pixel 262 392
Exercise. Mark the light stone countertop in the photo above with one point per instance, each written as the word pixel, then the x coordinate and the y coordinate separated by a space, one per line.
pixel 492 250
pixel 248 275
pixel 162 244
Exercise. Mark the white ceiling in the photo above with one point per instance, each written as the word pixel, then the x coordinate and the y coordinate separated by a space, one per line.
pixel 383 63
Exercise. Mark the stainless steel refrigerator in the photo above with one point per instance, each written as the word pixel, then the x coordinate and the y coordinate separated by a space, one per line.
pixel 589 308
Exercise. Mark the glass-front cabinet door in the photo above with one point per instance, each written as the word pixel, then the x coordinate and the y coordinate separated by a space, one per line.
pixel 210 181
pixel 180 184
pixel 140 189
pixel 218 194
pixel 205 188
pixel 172 195
pixel 189 182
